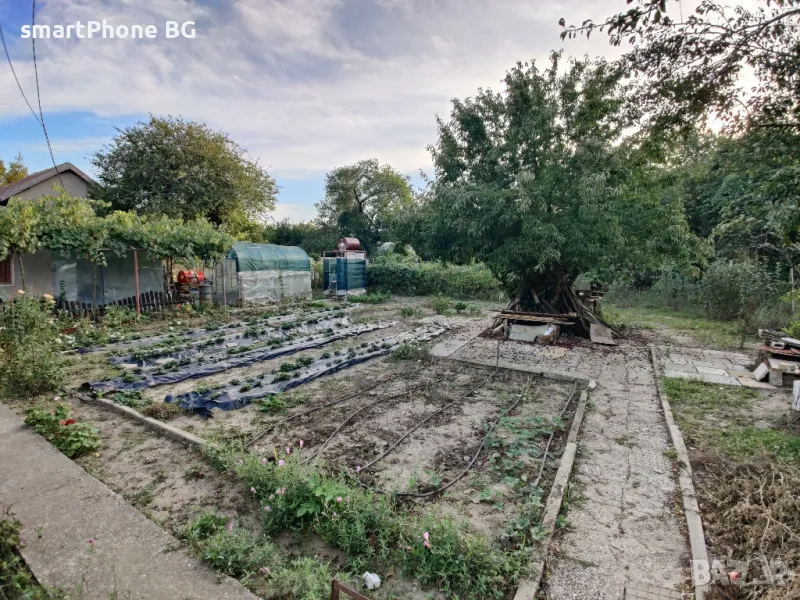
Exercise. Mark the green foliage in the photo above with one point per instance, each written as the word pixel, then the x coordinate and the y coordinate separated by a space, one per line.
pixel 205 526
pixel 16 581
pixel 538 183
pixel 407 311
pixel 131 399
pixel 368 527
pixel 371 298
pixel 303 578
pixel 431 279
pixel 411 351
pixel 750 441
pixel 29 364
pixel 71 227
pixel 239 553
pixel 15 171
pixel 706 54
pixel 363 199
pixel 184 170
pixel 71 438
pixel 460 307
pixel 440 305
pixel 311 237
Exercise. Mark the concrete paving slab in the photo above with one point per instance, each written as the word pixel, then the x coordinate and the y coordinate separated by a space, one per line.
pixel 61 507
pixel 749 382
pixel 722 379
pixel 682 375
pixel 711 371
pixel 682 366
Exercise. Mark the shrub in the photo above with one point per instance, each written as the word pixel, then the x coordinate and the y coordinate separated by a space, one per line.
pixel 29 364
pixel 304 579
pixel 238 553
pixel 72 438
pixel 411 351
pixel 460 307
pixel 431 278
pixel 440 305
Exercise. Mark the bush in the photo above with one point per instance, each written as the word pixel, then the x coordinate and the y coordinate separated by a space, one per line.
pixel 430 279
pixel 440 305
pixel 371 298
pixel 29 364
pixel 238 553
pixel 411 351
pixel 72 438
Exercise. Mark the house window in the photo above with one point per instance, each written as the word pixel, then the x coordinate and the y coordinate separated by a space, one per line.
pixel 5 271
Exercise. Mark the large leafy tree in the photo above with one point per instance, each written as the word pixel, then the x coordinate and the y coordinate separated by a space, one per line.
pixel 537 182
pixel 15 170
pixel 362 200
pixel 705 60
pixel 183 169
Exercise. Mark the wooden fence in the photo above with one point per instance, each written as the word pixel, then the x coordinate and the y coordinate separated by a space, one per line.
pixel 149 302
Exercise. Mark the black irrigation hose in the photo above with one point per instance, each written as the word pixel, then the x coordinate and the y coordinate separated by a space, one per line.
pixel 316 408
pixel 552 433
pixel 458 477
pixel 425 420
pixel 370 405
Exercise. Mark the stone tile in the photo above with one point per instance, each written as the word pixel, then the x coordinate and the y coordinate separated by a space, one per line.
pixel 722 379
pixel 749 382
pixel 674 366
pixel 711 371
pixel 717 363
pixel 635 590
pixel 740 373
pixel 682 375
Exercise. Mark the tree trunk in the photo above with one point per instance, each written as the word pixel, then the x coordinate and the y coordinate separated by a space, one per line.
pixel 21 271
pixel 552 292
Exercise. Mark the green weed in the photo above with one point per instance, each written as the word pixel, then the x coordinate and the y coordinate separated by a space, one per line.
pixel 71 438
pixel 749 442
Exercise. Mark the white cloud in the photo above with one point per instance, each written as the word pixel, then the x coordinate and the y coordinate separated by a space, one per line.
pixel 304 85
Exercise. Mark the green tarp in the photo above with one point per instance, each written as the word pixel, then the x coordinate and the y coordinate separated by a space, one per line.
pixel 269 257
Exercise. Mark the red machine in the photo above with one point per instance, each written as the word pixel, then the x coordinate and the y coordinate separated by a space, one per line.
pixel 190 278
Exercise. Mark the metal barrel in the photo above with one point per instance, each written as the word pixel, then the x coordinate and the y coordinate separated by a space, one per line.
pixel 206 293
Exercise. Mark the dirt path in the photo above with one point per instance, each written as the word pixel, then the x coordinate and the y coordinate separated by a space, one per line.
pixel 625 520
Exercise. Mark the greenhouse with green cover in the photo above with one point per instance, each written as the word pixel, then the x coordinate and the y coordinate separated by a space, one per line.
pixel 262 273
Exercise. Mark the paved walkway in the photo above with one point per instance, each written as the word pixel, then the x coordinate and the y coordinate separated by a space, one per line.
pixel 627 531
pixel 711 366
pixel 61 507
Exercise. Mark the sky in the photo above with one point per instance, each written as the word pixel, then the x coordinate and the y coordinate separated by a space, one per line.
pixel 304 85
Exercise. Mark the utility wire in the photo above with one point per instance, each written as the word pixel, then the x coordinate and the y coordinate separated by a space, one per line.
pixel 14 73
pixel 38 95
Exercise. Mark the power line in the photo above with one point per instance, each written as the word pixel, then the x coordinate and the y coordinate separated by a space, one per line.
pixel 14 73
pixel 38 95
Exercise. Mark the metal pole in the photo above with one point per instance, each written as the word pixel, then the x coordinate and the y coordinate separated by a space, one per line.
pixel 136 279
pixel 13 281
pixel 224 295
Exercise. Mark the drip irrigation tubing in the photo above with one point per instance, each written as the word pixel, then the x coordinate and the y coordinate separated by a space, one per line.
pixel 458 477
pixel 320 407
pixel 552 433
pixel 370 405
pixel 425 420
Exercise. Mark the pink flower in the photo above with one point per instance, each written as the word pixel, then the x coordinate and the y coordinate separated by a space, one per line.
pixel 358 469
pixel 733 575
pixel 281 463
pixel 426 537
pixel 229 526
pixel 252 490
pixel 339 498
pixel 267 508
pixel 92 541
pixel 263 461
pixel 264 570
pixel 283 490
pixel 288 450
pixel 301 443
pixel 334 514
pixel 271 496
pixel 57 398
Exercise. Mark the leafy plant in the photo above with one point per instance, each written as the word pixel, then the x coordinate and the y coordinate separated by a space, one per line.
pixel 440 305
pixel 71 438
pixel 131 399
pixel 28 340
pixel 16 580
pixel 411 351
pixel 460 307
pixel 371 298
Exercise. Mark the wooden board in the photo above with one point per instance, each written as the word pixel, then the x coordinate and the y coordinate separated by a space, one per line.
pixel 537 314
pixel 600 334
pixel 532 319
